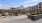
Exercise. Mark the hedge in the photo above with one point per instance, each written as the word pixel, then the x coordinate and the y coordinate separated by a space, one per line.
pixel 35 13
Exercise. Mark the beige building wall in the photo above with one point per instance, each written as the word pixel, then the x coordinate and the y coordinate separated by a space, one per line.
pixel 36 8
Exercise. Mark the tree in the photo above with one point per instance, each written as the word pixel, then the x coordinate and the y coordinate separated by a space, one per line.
pixel 12 8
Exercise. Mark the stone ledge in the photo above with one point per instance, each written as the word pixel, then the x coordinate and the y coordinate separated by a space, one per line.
pixel 35 17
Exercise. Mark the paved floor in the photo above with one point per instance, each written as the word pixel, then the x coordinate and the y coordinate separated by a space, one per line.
pixel 9 18
pixel 24 21
pixel 19 20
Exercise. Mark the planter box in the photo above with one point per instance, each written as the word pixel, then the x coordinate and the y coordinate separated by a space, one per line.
pixel 34 17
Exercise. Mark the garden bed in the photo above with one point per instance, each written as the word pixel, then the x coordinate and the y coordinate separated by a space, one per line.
pixel 34 17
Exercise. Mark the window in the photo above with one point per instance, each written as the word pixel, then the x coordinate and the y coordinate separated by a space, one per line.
pixel 39 4
pixel 36 9
pixel 39 7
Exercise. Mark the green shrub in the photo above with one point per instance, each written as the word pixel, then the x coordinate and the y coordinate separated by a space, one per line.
pixel 39 13
pixel 34 13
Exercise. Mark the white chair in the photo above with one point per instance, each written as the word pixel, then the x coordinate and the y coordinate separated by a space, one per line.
pixel 6 14
pixel 0 15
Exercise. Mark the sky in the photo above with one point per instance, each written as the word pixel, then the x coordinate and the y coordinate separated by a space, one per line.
pixel 16 3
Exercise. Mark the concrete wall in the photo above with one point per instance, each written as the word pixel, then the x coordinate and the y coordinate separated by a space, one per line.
pixel 35 17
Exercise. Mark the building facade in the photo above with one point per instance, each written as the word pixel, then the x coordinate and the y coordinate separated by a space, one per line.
pixel 36 8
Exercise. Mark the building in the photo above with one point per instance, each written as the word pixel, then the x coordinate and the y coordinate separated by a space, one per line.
pixel 36 8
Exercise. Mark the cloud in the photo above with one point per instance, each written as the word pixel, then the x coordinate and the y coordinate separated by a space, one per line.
pixel 30 1
pixel 25 5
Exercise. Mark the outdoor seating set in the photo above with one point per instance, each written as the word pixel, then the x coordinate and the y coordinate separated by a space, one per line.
pixel 6 14
pixel 10 14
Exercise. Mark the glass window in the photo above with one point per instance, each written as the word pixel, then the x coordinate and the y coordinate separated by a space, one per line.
pixel 39 7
